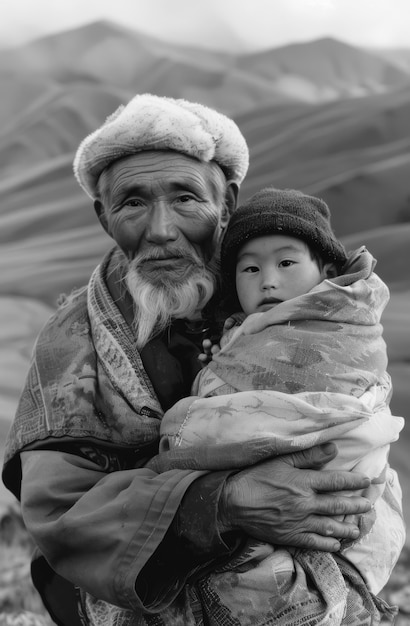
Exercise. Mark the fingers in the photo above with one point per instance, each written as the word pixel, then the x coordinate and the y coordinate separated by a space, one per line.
pixel 229 323
pixel 206 356
pixel 314 458
pixel 333 481
pixel 326 480
pixel 310 541
pixel 207 345
pixel 379 480
pixel 341 505
pixel 332 528
pixel 209 350
pixel 275 501
pixel 322 533
pixel 325 534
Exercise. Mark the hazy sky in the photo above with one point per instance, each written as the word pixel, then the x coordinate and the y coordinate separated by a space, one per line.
pixel 238 25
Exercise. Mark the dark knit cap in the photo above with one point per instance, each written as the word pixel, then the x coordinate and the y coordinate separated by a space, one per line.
pixel 284 212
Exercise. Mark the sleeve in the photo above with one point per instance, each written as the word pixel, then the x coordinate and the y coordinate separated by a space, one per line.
pixel 124 537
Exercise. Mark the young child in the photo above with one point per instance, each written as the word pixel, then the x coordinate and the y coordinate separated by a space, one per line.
pixel 304 364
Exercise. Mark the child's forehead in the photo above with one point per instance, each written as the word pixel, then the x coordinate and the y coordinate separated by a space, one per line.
pixel 272 243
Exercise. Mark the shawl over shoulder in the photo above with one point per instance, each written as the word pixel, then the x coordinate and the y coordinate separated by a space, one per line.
pixel 86 382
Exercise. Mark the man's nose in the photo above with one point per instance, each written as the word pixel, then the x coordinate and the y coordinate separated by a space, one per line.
pixel 160 226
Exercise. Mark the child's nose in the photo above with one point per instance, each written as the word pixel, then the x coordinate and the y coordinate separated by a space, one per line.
pixel 269 279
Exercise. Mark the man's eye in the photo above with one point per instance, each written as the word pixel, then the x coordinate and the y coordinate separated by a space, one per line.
pixel 133 202
pixel 185 198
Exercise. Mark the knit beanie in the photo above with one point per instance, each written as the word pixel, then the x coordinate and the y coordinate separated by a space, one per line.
pixel 284 212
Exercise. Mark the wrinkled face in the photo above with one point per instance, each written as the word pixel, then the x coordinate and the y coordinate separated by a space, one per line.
pixel 272 269
pixel 165 205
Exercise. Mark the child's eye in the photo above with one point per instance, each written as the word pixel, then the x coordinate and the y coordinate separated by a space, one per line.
pixel 251 269
pixel 286 263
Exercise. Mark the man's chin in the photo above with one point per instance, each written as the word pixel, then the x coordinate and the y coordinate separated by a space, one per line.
pixel 174 291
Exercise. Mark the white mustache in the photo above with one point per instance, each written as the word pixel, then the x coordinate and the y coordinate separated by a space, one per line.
pixel 157 254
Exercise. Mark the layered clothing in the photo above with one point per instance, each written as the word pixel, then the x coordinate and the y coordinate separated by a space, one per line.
pixel 87 422
pixel 139 544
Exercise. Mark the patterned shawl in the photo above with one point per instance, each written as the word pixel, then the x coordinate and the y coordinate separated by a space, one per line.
pixel 86 381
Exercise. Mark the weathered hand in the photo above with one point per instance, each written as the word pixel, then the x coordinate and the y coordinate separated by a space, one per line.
pixel 286 501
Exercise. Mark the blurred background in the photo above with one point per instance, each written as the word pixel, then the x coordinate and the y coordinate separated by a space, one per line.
pixel 319 88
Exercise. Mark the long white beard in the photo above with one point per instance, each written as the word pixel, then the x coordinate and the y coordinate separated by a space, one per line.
pixel 159 302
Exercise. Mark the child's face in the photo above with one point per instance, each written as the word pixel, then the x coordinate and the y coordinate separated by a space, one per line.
pixel 272 269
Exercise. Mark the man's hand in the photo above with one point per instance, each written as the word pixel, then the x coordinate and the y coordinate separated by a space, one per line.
pixel 286 501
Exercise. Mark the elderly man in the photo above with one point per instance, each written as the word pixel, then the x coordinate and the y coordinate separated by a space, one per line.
pixel 137 546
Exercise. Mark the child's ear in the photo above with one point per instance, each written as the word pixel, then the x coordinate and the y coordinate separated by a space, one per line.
pixel 329 270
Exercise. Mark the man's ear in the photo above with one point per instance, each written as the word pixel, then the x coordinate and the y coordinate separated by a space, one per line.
pixel 100 211
pixel 231 201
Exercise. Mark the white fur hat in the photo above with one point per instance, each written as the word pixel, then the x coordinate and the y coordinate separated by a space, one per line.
pixel 151 122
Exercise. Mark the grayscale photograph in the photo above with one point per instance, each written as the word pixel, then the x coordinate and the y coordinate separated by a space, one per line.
pixel 204 312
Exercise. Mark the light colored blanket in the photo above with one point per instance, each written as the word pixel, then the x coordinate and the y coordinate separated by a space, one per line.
pixel 308 371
